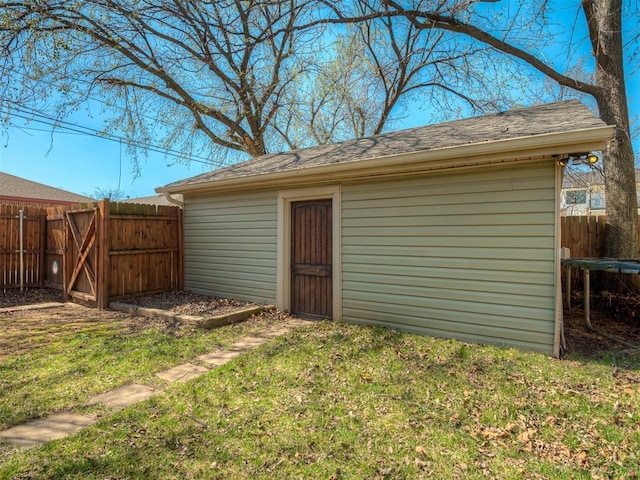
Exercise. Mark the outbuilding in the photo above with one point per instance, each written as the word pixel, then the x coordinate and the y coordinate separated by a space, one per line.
pixel 450 230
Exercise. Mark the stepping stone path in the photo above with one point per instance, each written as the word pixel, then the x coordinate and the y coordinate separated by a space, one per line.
pixel 182 373
pixel 43 430
pixel 61 425
pixel 122 397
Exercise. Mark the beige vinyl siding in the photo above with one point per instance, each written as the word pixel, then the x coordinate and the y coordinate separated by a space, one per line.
pixel 468 255
pixel 230 246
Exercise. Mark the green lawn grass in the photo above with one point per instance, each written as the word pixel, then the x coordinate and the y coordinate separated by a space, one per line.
pixel 96 354
pixel 339 401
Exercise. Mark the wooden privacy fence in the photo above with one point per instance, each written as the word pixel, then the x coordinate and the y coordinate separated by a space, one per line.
pixel 584 235
pixel 144 245
pixel 21 265
pixel 97 252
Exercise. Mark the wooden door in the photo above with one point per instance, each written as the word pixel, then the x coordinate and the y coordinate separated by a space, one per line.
pixel 81 255
pixel 311 253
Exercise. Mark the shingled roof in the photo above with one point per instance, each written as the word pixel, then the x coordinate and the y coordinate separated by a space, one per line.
pixel 17 188
pixel 159 200
pixel 526 122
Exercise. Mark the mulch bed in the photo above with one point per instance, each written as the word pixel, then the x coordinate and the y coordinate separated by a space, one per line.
pixel 187 303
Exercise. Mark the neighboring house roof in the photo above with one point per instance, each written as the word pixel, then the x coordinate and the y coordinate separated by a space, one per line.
pixel 587 179
pixel 17 188
pixel 155 200
pixel 526 128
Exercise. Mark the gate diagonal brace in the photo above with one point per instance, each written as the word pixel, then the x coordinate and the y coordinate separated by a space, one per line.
pixel 84 248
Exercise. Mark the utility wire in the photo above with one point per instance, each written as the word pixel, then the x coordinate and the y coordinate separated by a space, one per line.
pixel 45 130
pixel 120 170
pixel 35 116
pixel 89 97
pixel 114 138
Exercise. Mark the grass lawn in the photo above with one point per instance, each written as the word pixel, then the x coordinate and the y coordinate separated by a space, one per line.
pixel 59 358
pixel 340 401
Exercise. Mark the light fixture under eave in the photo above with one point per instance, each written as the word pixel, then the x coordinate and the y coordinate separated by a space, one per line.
pixel 591 159
pixel 582 158
pixel 562 161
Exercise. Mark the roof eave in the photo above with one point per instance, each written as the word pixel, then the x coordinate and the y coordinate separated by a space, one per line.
pixel 476 154
pixel 18 198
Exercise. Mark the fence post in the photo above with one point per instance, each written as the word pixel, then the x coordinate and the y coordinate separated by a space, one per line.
pixel 180 249
pixel 43 247
pixel 21 246
pixel 68 257
pixel 104 247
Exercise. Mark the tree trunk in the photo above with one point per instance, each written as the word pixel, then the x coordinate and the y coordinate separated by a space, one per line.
pixel 621 239
pixel 605 31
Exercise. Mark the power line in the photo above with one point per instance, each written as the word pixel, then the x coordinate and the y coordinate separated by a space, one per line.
pixel 29 114
pixel 114 138
pixel 32 129
pixel 89 97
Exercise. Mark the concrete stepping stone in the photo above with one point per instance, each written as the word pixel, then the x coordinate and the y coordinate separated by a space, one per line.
pixel 124 396
pixel 278 332
pixel 285 328
pixel 248 343
pixel 182 373
pixel 41 431
pixel 298 322
pixel 220 357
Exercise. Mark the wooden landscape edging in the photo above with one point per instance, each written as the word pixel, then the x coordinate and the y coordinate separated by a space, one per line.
pixel 206 322
pixel 94 252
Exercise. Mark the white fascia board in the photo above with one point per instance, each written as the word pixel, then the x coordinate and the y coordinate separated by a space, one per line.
pixel 485 153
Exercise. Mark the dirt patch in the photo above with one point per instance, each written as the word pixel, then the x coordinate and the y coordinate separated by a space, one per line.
pixel 187 303
pixel 12 298
pixel 615 314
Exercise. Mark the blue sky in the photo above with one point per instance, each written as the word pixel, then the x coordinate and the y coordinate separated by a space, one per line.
pixel 82 164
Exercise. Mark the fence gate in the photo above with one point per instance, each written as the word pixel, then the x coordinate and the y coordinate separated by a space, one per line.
pixel 93 252
pixel 81 259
